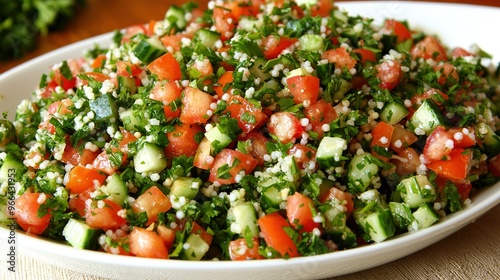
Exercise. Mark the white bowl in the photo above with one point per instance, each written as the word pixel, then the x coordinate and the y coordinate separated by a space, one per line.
pixel 456 25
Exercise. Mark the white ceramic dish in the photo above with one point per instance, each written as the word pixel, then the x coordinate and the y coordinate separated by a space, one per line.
pixel 457 25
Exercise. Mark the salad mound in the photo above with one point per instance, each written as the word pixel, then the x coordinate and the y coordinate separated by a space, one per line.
pixel 251 130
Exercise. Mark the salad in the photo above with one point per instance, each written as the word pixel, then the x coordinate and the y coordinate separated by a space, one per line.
pixel 251 130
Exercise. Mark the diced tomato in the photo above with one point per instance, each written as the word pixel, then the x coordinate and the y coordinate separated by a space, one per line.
pixel 249 116
pixel 397 29
pixel 104 163
pixel 285 126
pixel 402 138
pixel 456 167
pixel 462 137
pixel 201 68
pixel 77 202
pixel 153 202
pixel 272 227
pixel 389 72
pixel 257 147
pixel 340 57
pixel 303 88
pixel 494 165
pixel 463 189
pixel 407 162
pixel 381 137
pixel 127 69
pixel 97 76
pixel 365 55
pixel 429 48
pixel 99 61
pixel 196 106
pixel 448 74
pixel 438 145
pixel 203 158
pixel 344 198
pixel 166 67
pixel 241 250
pixel 273 45
pixel 78 155
pixel 229 163
pixel 300 211
pixel 241 8
pixel 103 214
pixel 460 52
pixel 436 95
pixel 132 31
pixel 198 230
pixel 82 178
pixel 182 141
pixel 167 234
pixel 147 244
pixel 224 22
pixel 224 79
pixel 26 213
pixel 167 92
pixel 319 114
pixel 59 107
pixel 302 154
pixel 173 41
pixel 322 8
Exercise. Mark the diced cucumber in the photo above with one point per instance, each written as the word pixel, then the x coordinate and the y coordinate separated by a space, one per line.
pixel 116 189
pixel 402 216
pixel 175 15
pixel 217 139
pixel 47 178
pixel 80 235
pixel 426 118
pixel 187 187
pixel 271 198
pixel 149 49
pixel 416 191
pixel 12 169
pixel 7 132
pixel 378 224
pixel 425 215
pixel 393 113
pixel 330 151
pixel 311 42
pixel 104 108
pixel 257 69
pixel 297 72
pixel 344 238
pixel 133 119
pixel 207 37
pixel 243 219
pixel 150 159
pixel 195 247
pixel 127 85
pixel 362 172
pixel 250 24
pixel 490 140
pixel 339 94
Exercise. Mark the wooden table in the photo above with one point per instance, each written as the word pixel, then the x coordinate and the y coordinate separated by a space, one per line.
pixel 471 253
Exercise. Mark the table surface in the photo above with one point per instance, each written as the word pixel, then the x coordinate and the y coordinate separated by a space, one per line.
pixel 471 253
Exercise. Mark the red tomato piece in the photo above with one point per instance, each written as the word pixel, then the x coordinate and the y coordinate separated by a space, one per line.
pixel 166 67
pixel 436 95
pixel 257 147
pixel 119 245
pixel 340 57
pixel 147 244
pixel 303 88
pixel 99 61
pixel 127 69
pixel 58 107
pixel 229 163
pixel 365 55
pixel 78 155
pixel 322 8
pixel 272 228
pixel 26 213
pixel 389 72
pixel 103 214
pixel 438 145
pixel 224 22
pixel 167 234
pixel 494 165
pixel 182 141
pixel 397 29
pixel 285 126
pixel 273 45
pixel 77 202
pixel 173 42
pixel 448 74
pixel 460 52
pixel 198 230
pixel 429 48
pixel 224 79
pixel 82 178
pixel 300 212
pixel 344 198
pixel 407 162
pixel 153 201
pixel 203 158
pixel 456 168
pixel 196 106
pixel 249 116
pixel 381 137
pixel 462 137
pixel 402 138
pixel 302 154
pixel 240 250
